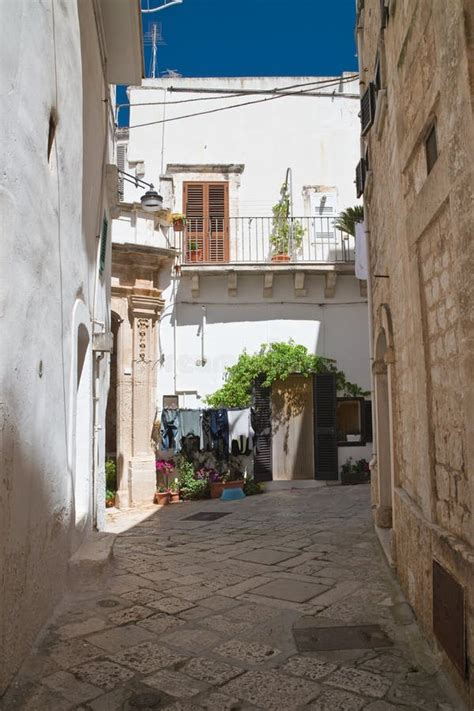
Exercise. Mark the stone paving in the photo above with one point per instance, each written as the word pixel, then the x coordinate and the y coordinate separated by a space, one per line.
pixel 208 615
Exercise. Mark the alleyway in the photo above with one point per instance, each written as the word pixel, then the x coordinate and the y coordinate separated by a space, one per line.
pixel 223 614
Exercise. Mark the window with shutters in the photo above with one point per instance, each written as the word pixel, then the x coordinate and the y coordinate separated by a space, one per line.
pixel 121 163
pixel 351 414
pixel 360 177
pixel 206 206
pixel 103 245
pixel 367 108
pixel 325 427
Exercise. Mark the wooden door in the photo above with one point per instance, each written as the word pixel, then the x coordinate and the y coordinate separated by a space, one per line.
pixel 206 206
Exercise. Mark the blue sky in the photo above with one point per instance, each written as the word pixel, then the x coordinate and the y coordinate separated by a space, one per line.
pixel 252 38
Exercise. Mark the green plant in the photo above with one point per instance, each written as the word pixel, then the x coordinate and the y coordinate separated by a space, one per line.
pixel 356 472
pixel 162 489
pixel 190 487
pixel 274 361
pixel 252 487
pixel 109 495
pixel 346 220
pixel 287 233
pixel 193 246
pixel 110 475
pixel 177 216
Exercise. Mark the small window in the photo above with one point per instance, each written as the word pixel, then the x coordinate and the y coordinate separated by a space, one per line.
pixel 351 421
pixel 431 148
pixel 53 122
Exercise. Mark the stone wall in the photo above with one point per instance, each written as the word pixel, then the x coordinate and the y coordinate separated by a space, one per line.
pixel 421 266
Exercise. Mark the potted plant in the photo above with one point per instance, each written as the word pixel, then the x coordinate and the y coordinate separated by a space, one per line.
pixel 194 252
pixel 215 479
pixel 164 469
pixel 109 498
pixel 174 491
pixel 162 496
pixel 287 234
pixel 355 472
pixel 178 220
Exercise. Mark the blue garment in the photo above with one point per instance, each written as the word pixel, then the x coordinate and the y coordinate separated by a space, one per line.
pixel 215 432
pixel 170 430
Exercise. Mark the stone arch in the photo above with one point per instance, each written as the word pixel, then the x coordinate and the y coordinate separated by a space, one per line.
pixel 383 377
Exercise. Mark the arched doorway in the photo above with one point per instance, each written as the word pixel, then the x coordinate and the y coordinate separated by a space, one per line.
pixel 83 415
pixel 111 411
pixel 383 422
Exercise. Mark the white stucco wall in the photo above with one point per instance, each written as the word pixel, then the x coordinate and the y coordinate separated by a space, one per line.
pixel 318 139
pixel 50 217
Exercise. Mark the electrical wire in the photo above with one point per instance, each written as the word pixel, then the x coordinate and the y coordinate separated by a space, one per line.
pixel 236 106
pixel 325 84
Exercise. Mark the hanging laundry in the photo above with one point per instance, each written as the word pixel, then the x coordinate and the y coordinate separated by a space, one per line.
pixel 170 429
pixel 189 428
pixel 215 432
pixel 240 431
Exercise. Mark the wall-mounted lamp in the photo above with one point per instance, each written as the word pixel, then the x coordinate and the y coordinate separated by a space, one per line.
pixel 151 201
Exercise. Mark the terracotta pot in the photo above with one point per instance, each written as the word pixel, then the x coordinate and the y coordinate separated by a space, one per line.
pixel 174 497
pixel 195 255
pixel 162 498
pixel 218 487
pixel 280 257
pixel 109 503
pixel 178 225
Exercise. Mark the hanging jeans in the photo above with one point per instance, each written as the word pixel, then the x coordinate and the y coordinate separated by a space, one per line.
pixel 170 429
pixel 215 432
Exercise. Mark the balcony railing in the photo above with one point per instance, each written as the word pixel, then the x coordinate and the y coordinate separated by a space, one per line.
pixel 250 240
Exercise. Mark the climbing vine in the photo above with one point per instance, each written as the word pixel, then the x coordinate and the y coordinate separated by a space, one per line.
pixel 275 361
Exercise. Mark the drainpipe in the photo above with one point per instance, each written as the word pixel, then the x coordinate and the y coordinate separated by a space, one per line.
pixel 203 327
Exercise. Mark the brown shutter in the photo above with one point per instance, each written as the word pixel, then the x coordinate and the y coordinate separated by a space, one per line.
pixel 207 216
pixel 325 426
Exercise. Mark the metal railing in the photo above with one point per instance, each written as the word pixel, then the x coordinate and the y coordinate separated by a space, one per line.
pixel 256 240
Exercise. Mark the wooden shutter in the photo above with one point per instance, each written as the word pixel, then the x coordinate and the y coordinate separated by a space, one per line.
pixel 206 206
pixel 367 108
pixel 262 425
pixel 103 245
pixel 368 420
pixel 325 430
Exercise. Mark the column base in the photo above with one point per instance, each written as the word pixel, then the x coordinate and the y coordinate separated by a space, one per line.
pixel 142 478
pixel 383 516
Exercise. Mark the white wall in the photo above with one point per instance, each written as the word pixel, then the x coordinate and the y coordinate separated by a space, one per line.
pixel 318 139
pixel 50 215
pixel 315 136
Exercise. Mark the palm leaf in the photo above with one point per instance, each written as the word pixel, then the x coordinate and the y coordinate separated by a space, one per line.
pixel 346 220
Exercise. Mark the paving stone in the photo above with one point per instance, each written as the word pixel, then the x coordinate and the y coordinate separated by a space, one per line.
pixel 210 671
pixel 38 699
pixel 271 691
pixel 427 697
pixel 143 596
pixel 171 605
pixel 383 663
pixel 130 614
pixel 385 706
pixel 191 640
pixel 124 583
pixel 244 586
pixel 217 602
pixel 192 592
pixel 291 590
pixel 308 667
pixel 218 702
pixel 360 681
pixel 336 700
pixel 250 652
pixel 160 622
pixel 77 629
pixel 226 625
pixel 147 657
pixel 175 683
pixel 105 674
pixel 254 613
pixel 265 556
pixel 71 688
pixel 130 699
pixel 118 638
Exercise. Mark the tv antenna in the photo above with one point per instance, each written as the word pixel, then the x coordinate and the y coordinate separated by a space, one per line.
pixel 152 39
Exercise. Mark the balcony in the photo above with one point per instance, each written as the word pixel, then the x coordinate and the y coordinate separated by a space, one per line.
pixel 250 242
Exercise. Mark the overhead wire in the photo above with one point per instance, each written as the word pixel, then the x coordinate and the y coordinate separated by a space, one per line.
pixel 244 103
pixel 325 84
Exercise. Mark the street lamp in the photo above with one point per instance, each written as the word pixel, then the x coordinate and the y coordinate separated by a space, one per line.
pixel 151 201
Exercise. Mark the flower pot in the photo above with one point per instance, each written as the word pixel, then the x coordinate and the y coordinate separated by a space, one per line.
pixel 194 256
pixel 174 497
pixel 178 225
pixel 109 503
pixel 162 498
pixel 217 487
pixel 280 257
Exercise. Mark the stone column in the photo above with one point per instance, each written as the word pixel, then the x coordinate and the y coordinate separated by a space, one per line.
pixel 144 311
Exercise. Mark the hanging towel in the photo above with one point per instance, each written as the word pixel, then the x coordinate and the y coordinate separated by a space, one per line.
pixel 240 428
pixel 189 425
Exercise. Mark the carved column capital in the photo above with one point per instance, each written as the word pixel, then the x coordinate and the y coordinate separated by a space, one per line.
pixel 147 307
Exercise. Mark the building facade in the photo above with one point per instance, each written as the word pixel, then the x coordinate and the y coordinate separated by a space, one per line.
pixel 416 174
pixel 58 61
pixel 188 299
